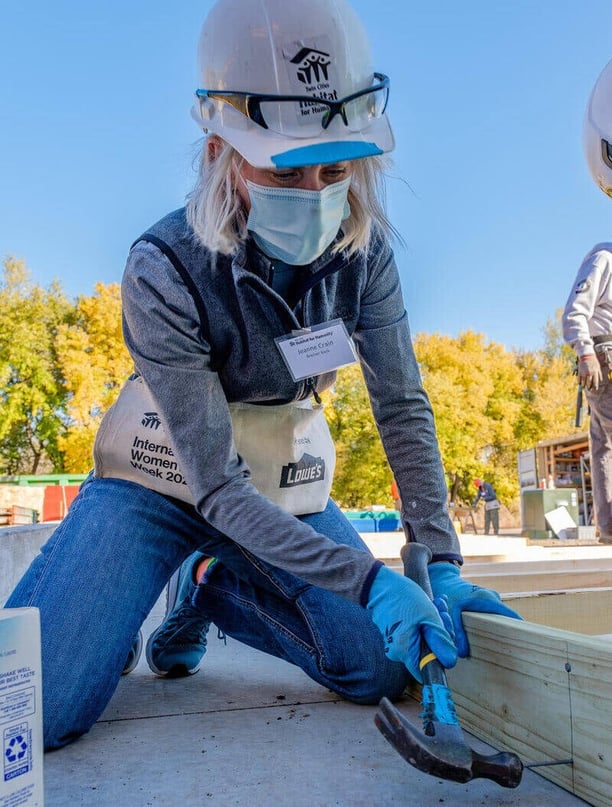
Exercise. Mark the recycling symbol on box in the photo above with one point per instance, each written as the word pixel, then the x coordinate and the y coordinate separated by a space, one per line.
pixel 16 748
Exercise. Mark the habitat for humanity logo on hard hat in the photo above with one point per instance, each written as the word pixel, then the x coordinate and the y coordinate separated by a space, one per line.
pixel 312 74
pixel 312 66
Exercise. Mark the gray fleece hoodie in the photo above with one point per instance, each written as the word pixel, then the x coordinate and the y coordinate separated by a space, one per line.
pixel 196 355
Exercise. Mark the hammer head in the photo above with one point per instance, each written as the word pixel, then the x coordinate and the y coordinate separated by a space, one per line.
pixel 441 750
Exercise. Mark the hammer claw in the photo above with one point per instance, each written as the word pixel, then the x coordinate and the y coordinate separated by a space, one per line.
pixel 444 753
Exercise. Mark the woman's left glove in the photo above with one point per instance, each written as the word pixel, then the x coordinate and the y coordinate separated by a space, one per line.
pixel 461 595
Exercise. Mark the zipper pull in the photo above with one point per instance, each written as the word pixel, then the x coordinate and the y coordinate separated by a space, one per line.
pixel 310 385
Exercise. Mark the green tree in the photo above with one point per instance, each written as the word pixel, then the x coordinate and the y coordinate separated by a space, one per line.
pixel 363 476
pixel 550 398
pixel 459 379
pixel 32 391
pixel 490 403
pixel 95 363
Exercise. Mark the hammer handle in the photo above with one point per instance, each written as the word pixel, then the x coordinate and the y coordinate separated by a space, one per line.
pixel 415 558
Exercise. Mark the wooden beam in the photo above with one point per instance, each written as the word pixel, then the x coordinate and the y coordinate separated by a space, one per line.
pixel 528 580
pixel 543 693
pixel 587 611
pixel 545 575
pixel 543 567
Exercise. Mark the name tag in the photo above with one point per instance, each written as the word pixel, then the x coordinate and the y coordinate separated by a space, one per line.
pixel 317 350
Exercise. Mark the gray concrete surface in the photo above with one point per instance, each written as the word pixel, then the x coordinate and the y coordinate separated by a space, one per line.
pixel 247 731
pixel 18 547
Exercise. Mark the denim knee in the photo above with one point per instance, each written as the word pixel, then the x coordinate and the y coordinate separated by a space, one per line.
pixel 56 737
pixel 368 691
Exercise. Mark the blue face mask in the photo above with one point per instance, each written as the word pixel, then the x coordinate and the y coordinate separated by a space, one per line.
pixel 294 225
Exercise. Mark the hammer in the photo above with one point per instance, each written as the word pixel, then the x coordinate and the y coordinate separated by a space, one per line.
pixel 440 749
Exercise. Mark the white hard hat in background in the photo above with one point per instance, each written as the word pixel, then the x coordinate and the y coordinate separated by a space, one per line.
pixel 303 48
pixel 597 133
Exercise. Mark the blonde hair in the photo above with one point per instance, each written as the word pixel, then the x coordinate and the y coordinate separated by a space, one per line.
pixel 218 218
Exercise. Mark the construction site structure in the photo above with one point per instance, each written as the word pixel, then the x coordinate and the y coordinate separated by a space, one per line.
pixel 556 474
pixel 29 498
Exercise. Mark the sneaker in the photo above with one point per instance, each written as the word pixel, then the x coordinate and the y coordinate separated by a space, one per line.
pixel 134 654
pixel 176 648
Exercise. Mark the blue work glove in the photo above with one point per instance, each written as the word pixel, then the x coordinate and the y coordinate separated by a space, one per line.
pixel 461 595
pixel 405 615
pixel 441 604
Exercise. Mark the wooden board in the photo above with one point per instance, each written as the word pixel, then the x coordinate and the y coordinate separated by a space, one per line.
pixel 545 694
pixel 545 575
pixel 587 611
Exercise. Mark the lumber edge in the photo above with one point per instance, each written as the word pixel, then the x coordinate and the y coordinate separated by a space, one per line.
pixel 544 693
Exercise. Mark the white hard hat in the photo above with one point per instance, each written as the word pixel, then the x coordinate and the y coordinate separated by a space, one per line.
pixel 294 51
pixel 597 133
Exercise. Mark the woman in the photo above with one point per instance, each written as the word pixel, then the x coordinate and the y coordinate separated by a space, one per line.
pixel 278 268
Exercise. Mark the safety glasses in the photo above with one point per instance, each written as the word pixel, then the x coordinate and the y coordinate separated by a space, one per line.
pixel 606 153
pixel 305 115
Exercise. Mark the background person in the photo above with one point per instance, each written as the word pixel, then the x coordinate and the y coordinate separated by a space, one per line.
pixel 284 237
pixel 491 505
pixel 587 317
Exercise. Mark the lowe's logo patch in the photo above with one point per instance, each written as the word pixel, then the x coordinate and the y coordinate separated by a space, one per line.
pixel 308 469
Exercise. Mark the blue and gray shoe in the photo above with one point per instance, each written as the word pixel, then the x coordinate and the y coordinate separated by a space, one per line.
pixel 134 655
pixel 178 645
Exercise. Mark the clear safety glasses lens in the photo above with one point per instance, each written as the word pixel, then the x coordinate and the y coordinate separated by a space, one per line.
pixel 606 153
pixel 305 116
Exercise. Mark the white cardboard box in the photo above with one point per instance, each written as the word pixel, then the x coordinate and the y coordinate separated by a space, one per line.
pixel 21 733
pixel 561 523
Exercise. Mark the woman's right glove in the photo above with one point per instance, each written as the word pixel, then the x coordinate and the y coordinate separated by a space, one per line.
pixel 405 615
pixel 461 595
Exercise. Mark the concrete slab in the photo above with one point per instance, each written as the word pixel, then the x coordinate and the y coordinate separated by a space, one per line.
pixel 247 731
pixel 388 544
pixel 18 547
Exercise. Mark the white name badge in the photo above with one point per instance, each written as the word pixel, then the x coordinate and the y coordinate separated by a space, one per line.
pixel 316 350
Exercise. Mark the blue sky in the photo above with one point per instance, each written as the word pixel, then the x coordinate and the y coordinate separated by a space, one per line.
pixel 489 187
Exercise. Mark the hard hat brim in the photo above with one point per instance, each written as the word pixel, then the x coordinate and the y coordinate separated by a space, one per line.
pixel 265 149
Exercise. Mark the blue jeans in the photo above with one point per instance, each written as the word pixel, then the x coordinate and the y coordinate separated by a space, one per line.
pixel 106 564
